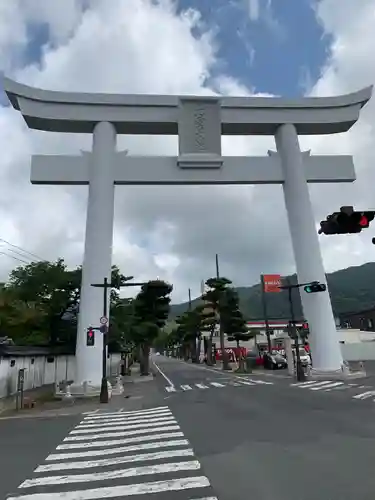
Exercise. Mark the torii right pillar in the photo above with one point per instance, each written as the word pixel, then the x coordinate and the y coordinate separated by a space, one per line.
pixel 327 356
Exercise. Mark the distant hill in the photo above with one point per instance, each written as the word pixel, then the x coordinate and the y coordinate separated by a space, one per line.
pixel 351 290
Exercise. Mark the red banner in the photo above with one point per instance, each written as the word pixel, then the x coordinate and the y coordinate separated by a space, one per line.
pixel 233 353
pixel 272 283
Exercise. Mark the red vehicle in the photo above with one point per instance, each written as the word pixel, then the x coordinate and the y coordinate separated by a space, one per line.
pixel 232 352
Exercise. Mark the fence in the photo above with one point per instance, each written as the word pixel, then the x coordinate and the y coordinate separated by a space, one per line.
pixel 41 368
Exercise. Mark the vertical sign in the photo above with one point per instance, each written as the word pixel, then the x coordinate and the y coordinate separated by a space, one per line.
pixel 269 284
pixel 272 282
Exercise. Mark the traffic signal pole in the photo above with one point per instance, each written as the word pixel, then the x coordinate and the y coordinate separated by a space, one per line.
pixel 312 287
pixel 104 329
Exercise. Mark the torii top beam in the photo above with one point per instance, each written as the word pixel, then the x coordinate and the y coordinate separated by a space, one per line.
pixel 160 115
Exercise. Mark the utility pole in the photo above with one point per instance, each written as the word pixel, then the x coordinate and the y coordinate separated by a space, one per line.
pixel 222 342
pixel 104 329
pixel 265 313
pixel 189 292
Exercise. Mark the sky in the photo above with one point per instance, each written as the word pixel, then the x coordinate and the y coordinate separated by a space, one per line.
pixel 290 48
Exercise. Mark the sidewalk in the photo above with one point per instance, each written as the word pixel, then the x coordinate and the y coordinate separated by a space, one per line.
pixel 135 396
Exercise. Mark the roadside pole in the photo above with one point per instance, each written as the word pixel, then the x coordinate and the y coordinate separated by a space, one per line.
pixel 104 328
pixel 265 312
pixel 224 357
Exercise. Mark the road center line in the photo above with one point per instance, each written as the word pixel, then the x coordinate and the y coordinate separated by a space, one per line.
pixel 171 384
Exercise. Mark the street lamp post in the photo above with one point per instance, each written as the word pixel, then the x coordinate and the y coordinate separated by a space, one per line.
pixel 104 329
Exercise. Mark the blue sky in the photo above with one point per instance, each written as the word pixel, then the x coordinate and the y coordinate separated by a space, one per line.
pixel 276 47
pixel 278 52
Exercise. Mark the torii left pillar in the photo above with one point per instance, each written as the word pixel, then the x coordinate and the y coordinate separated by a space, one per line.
pixel 97 261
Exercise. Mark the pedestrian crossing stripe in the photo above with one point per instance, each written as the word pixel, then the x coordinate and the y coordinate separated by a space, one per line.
pixel 141 461
pixel 330 385
pixel 240 381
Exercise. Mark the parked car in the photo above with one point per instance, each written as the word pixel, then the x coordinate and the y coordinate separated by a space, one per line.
pixel 304 356
pixel 274 361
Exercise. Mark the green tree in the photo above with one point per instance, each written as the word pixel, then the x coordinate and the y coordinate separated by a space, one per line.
pixel 53 289
pixel 214 297
pixel 21 321
pixel 151 310
pixel 189 331
pixel 44 297
pixel 232 319
pixel 233 322
pixel 209 323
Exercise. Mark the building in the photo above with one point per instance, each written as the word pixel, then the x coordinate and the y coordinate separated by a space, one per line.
pixel 277 326
pixel 360 320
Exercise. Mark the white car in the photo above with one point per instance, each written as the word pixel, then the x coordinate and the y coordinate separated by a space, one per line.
pixel 304 356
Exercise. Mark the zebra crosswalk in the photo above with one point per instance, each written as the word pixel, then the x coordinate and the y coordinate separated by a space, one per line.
pixel 238 382
pixel 117 455
pixel 357 390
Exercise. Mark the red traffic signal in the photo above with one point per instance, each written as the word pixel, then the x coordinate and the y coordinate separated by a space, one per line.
pixel 347 221
pixel 90 337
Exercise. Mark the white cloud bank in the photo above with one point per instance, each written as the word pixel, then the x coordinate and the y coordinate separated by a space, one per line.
pixel 171 232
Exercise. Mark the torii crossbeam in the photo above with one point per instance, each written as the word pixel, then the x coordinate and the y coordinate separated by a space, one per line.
pixel 199 123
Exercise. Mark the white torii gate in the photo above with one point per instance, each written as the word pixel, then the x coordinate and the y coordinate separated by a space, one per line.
pixel 199 123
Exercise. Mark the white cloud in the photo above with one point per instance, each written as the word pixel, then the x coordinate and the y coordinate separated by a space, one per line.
pixel 171 232
pixel 254 10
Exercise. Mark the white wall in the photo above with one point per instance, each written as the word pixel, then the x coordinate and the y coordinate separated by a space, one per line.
pixel 359 351
pixel 43 370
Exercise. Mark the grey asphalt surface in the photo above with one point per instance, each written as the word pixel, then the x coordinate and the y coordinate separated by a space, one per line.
pixel 24 443
pixel 258 441
pixel 275 441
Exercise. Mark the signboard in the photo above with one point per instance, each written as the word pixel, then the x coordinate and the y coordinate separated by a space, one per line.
pixel 233 353
pixel 103 320
pixel 21 379
pixel 272 283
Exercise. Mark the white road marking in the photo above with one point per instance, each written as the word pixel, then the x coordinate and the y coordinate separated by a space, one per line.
pixel 115 442
pixel 105 462
pixel 260 382
pixel 105 435
pixel 303 384
pixel 323 385
pixel 202 386
pixel 128 418
pixel 206 498
pixel 217 384
pixel 364 395
pixel 124 449
pixel 186 387
pixel 331 387
pixel 170 388
pixel 163 374
pixel 113 474
pixel 122 427
pixel 246 382
pixel 122 491
pixel 132 413
pixel 84 425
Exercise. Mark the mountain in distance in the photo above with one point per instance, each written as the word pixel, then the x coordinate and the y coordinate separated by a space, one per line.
pixel 351 290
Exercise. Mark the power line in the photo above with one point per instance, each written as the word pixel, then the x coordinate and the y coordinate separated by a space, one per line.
pixel 16 252
pixel 16 258
pixel 22 249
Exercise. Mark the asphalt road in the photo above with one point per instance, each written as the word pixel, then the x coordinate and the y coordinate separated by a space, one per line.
pixel 220 439
pixel 24 443
pixel 268 442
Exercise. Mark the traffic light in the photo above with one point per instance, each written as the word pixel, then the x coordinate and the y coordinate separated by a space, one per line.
pixel 90 339
pixel 347 221
pixel 315 287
